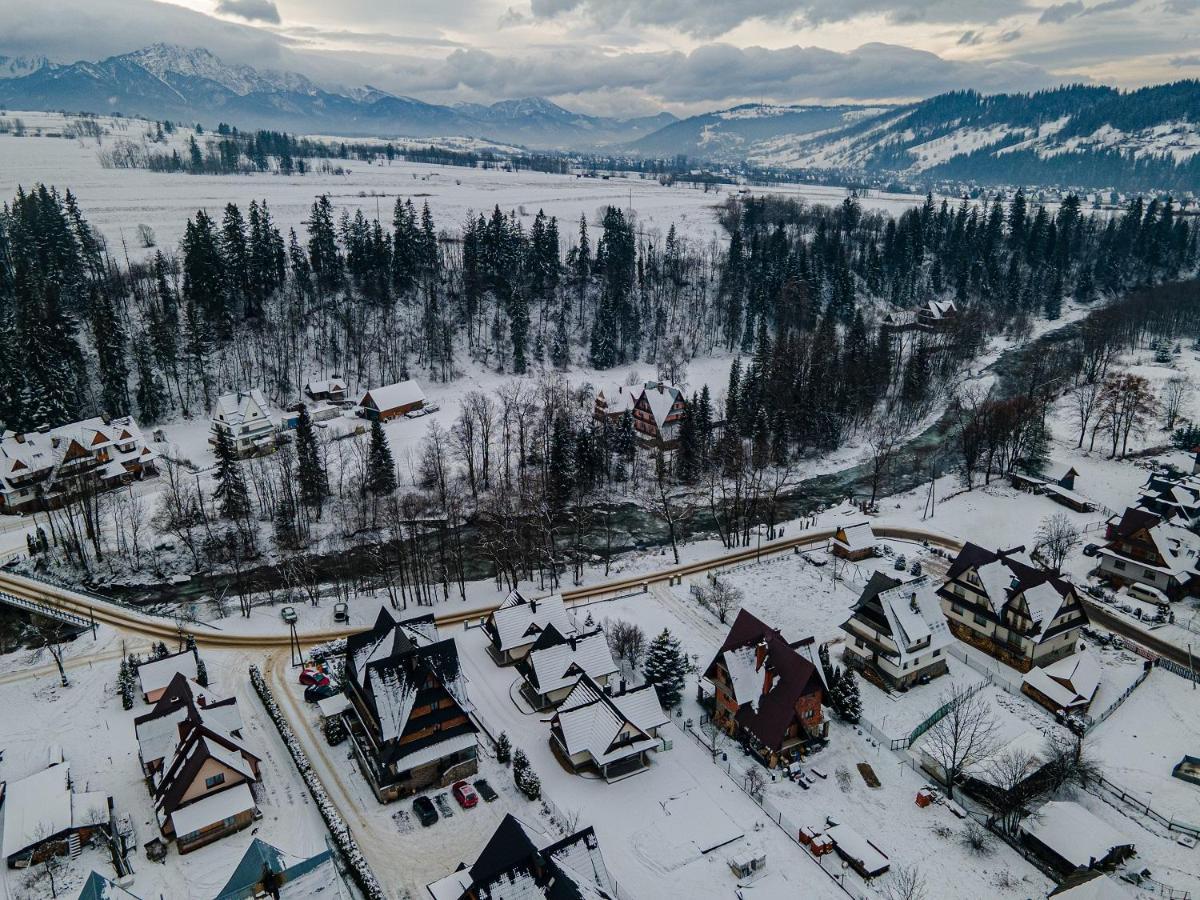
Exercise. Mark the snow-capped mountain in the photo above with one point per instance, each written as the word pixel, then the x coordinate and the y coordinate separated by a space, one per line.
pixel 170 81
pixel 18 66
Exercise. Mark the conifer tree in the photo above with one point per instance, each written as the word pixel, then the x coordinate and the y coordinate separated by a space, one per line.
pixel 846 699
pixel 310 471
pixel 687 460
pixel 503 748
pixel 125 685
pixel 152 400
pixel 231 491
pixel 666 669
pixel 381 469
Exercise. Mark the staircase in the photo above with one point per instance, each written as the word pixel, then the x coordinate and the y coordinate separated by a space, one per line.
pixel 73 844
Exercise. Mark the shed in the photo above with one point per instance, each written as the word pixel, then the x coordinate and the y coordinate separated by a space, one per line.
pixel 862 855
pixel 392 400
pixel 1072 837
pixel 854 542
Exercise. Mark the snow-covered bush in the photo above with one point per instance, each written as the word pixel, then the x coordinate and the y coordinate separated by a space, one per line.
pixel 524 777
pixel 338 829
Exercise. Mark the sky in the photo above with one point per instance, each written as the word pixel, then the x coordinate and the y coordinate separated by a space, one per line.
pixel 635 57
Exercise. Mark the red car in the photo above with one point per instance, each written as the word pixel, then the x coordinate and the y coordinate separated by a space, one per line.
pixel 311 676
pixel 465 795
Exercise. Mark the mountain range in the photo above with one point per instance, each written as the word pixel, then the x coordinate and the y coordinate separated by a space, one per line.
pixel 165 81
pixel 1080 136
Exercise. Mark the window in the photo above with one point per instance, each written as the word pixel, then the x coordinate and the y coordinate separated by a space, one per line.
pixel 213 780
pixel 956 609
pixel 979 620
pixel 937 653
pixel 1119 564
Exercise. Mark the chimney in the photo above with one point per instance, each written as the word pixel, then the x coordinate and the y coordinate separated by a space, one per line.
pixel 572 640
pixel 661 388
pixel 533 606
pixel 19 438
pixel 621 688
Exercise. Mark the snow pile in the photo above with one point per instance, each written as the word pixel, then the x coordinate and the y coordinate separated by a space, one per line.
pixel 359 869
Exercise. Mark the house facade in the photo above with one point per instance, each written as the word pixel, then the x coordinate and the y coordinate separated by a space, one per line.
pixel 657 414
pixel 1004 604
pixel 896 633
pixel 409 716
pixel 768 696
pixel 555 662
pixel 247 420
pixel 1142 548
pixel 331 390
pixel 45 469
pixel 391 401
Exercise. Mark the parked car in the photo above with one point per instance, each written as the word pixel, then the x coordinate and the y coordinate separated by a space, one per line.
pixel 485 790
pixel 1091 549
pixel 310 676
pixel 1149 593
pixel 465 795
pixel 341 612
pixel 431 407
pixel 416 413
pixel 288 614
pixel 316 692
pixel 425 811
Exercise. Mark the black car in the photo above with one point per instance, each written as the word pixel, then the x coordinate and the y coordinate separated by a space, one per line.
pixel 485 790
pixel 425 811
pixel 315 692
pixel 1091 549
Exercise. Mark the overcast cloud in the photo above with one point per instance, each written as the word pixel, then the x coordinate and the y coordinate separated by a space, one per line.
pixel 639 56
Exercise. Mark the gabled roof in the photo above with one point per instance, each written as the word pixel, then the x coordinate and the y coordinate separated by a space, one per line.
pixel 391 396
pixel 43 805
pixel 158 731
pixel 915 619
pixel 156 674
pixel 1134 520
pixel 199 744
pixel 590 721
pixel 556 661
pixel 519 622
pixel 97 887
pixel 1069 682
pixel 238 407
pixel 792 676
pixel 659 397
pixel 859 536
pixel 1007 574
pixel 260 858
pixel 1075 833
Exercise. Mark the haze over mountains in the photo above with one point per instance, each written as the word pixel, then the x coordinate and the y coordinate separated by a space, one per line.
pixel 1077 135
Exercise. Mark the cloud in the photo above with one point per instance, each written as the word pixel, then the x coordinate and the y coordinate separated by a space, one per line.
pixel 1186 61
pixel 710 18
pixel 1008 37
pixel 970 39
pixel 1182 7
pixel 512 16
pixel 251 10
pixel 1060 12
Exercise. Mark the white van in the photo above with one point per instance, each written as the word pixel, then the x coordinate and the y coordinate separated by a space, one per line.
pixel 1148 593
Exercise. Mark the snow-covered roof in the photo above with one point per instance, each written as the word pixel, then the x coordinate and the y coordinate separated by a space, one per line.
pixel 157 674
pixel 1043 602
pixel 239 407
pixel 42 805
pixel 660 397
pixel 1179 547
pixel 915 615
pixel 1071 681
pixel 1075 833
pixel 560 665
pixel 456 744
pixel 391 396
pixel 618 398
pixel 856 537
pixel 36 454
pixel 158 737
pixel 326 386
pixel 996 579
pixel 1092 885
pixel 212 808
pixel 852 845
pixel 394 695
pixel 591 721
pixel 332 706
pixel 97 887
pixel 744 677
pixel 519 624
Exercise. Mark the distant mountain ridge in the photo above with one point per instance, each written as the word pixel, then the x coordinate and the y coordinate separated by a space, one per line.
pixel 190 84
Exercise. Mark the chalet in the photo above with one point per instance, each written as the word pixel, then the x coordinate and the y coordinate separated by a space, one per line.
pixel 611 734
pixel 409 718
pixel 391 401
pixel 156 674
pixel 897 633
pixel 1070 837
pixel 555 662
pixel 519 861
pixel 657 414
pixel 45 815
pixel 331 390
pixel 44 469
pixel 197 765
pixel 1144 549
pixel 854 542
pixel 246 419
pixel 612 401
pixel 1172 498
pixel 768 696
pixel 267 871
pixel 1004 604
pixel 938 315
pixel 516 624
pixel 1066 686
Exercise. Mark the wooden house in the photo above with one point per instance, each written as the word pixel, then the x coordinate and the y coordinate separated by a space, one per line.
pixel 391 401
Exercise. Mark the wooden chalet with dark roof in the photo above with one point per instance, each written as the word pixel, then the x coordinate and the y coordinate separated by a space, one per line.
pixel 1004 604
pixel 896 632
pixel 768 696
pixel 1143 548
pixel 409 717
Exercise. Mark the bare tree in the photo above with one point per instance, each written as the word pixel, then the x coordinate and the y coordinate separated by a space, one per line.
pixel 1011 786
pixel 50 636
pixel 883 443
pixel 905 883
pixel 977 839
pixel 1069 761
pixel 1174 394
pixel 754 782
pixel 1085 401
pixel 1056 538
pixel 715 736
pixel 626 640
pixel 965 735
pixel 722 598
pixel 672 510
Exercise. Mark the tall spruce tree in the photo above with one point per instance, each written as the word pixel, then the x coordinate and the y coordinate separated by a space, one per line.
pixel 310 470
pixel 231 495
pixel 666 668
pixel 381 468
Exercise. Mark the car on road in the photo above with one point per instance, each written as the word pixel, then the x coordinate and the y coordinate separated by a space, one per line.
pixel 465 795
pixel 485 790
pixel 341 612
pixel 425 811
pixel 288 614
